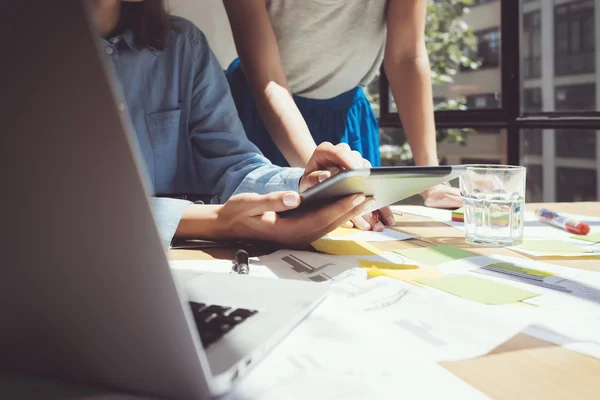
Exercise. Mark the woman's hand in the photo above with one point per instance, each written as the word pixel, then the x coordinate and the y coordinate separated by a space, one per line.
pixel 442 196
pixel 253 216
pixel 326 161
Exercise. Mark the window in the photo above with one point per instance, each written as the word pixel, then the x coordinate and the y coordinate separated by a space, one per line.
pixel 488 49
pixel 576 184
pixel 565 159
pixel 480 2
pixel 479 161
pixel 575 97
pixel 531 45
pixel 532 100
pixel 528 94
pixel 576 144
pixel 575 38
pixel 482 101
pixel 532 142
pixel 533 184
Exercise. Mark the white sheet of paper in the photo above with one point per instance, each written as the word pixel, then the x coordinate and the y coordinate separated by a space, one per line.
pixel 219 266
pixel 335 354
pixel 445 327
pixel 316 267
pixel 371 236
pixel 573 315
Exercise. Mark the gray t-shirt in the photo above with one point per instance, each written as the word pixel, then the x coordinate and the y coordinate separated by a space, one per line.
pixel 328 47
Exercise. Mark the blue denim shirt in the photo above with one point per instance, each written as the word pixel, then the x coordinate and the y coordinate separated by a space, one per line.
pixel 187 126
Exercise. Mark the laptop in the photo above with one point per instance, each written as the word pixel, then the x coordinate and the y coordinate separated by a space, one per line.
pixel 87 294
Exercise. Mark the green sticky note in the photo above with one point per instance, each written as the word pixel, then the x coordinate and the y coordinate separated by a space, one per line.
pixel 522 270
pixel 479 290
pixel 550 246
pixel 435 255
pixel 592 237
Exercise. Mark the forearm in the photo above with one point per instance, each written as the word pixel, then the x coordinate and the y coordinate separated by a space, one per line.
pixel 259 56
pixel 410 81
pixel 200 221
pixel 283 121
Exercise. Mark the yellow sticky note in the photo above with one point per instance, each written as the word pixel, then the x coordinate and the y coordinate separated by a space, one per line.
pixel 479 290
pixel 550 246
pixel 343 232
pixel 345 247
pixel 386 265
pixel 592 237
pixel 409 275
pixel 435 255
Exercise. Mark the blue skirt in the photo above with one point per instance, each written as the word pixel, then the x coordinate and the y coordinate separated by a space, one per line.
pixel 346 118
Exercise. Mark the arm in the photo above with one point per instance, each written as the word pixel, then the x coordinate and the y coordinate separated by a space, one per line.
pixel 407 68
pixel 260 60
pixel 228 161
pixel 406 65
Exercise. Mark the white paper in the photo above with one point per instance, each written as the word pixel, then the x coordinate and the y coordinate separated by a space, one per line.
pixel 441 326
pixel 433 213
pixel 372 236
pixel 218 266
pixel 336 354
pixel 316 267
pixel 573 314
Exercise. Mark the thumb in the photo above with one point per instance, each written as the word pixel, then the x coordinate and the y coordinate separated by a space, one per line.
pixel 252 204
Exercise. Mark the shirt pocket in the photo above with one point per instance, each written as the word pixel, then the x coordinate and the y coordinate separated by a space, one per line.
pixel 163 129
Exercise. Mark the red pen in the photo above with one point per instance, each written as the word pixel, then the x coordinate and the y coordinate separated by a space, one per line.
pixel 569 224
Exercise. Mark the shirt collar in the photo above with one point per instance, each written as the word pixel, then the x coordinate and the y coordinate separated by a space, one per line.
pixel 128 37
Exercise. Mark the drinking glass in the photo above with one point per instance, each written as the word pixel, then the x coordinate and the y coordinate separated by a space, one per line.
pixel 494 201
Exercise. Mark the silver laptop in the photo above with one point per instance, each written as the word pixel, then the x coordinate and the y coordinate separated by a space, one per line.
pixel 86 292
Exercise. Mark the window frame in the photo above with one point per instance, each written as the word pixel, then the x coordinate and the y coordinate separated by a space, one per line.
pixel 509 115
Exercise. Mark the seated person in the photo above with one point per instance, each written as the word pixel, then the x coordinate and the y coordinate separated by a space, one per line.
pixel 193 142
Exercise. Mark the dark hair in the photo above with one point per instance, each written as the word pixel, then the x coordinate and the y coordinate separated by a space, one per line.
pixel 149 21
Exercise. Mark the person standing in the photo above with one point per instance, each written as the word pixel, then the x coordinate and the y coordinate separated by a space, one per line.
pixel 302 66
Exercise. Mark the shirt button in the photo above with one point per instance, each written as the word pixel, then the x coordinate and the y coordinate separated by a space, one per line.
pixel 109 50
pixel 121 107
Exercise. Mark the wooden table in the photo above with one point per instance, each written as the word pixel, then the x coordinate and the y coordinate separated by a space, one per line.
pixel 522 368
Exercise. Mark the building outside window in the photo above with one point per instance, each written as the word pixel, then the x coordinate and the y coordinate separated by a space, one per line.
pixel 483 101
pixel 531 45
pixel 575 97
pixel 576 184
pixel 574 38
pixel 480 2
pixel 576 144
pixel 532 100
pixel 558 85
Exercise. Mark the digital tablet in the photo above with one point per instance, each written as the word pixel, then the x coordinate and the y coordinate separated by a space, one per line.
pixel 387 184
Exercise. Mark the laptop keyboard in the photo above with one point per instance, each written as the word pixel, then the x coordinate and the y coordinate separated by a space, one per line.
pixel 213 321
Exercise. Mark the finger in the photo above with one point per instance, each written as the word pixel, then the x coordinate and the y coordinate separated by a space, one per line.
pixel 361 223
pixel 357 160
pixel 329 156
pixel 387 216
pixel 254 204
pixel 314 178
pixel 348 225
pixel 343 146
pixel 371 222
